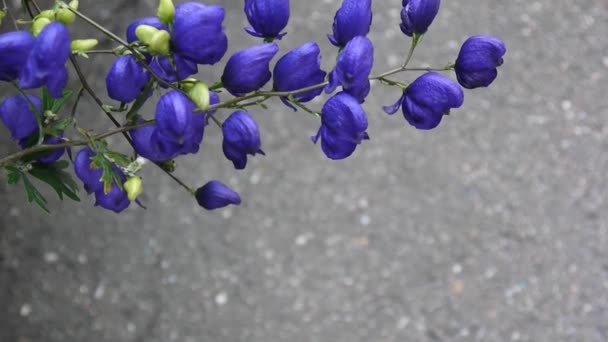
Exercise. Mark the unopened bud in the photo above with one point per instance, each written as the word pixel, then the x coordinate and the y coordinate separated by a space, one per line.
pixel 145 32
pixel 166 11
pixel 83 45
pixel 74 4
pixel 188 83
pixel 199 94
pixel 134 187
pixel 39 25
pixel 65 16
pixel 2 15
pixel 156 40
pixel 49 14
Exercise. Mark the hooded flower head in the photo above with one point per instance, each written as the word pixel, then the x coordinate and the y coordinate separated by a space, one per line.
pixel 116 200
pixel 14 49
pixel 427 100
pixel 418 15
pixel 267 17
pixel 477 61
pixel 126 79
pixel 343 126
pixel 353 19
pixel 45 64
pixel 241 137
pixel 249 70
pixel 215 195
pixel 18 116
pixel 174 116
pixel 198 33
pixel 163 68
pixel 354 66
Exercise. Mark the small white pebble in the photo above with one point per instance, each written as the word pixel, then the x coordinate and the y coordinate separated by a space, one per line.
pixel 566 105
pixel 457 268
pixel 82 259
pixel 26 310
pixel 131 327
pixel 365 220
pixel 221 298
pixel 51 257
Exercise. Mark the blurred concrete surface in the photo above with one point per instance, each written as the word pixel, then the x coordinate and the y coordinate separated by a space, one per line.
pixel 492 227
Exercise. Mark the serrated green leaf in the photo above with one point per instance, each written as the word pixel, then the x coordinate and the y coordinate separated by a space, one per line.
pixel 118 158
pixel 62 164
pixel 47 100
pixel 33 195
pixel 13 175
pixel 58 179
pixel 58 104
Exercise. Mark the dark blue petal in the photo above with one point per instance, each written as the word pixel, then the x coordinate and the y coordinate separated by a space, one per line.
pixel 116 200
pixel 334 147
pixel 420 117
pixel 215 195
pixel 53 155
pixel 344 117
pixel 418 15
pixel 18 116
pixel 174 115
pixel 45 64
pixel 353 68
pixel 477 61
pixel 248 70
pixel 353 19
pixel 198 33
pixel 126 79
pixel 267 17
pixel 241 137
pixel 90 177
pixel 162 67
pixel 14 49
pixel 300 68
pixel 153 146
pixel 390 110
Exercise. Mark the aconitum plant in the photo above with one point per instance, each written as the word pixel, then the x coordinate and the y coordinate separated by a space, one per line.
pixel 160 55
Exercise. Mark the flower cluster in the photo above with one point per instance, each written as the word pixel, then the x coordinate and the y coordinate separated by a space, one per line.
pixel 161 56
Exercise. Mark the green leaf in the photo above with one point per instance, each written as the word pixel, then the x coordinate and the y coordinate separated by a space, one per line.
pixel 33 195
pixel 13 175
pixel 58 104
pixel 58 179
pixel 118 158
pixel 47 100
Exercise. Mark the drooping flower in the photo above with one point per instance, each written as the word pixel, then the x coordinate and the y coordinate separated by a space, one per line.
pixel 14 49
pixel 198 33
pixel 477 61
pixel 116 200
pixel 19 117
pixel 90 176
pixel 343 126
pixel 241 137
pixel 163 68
pixel 267 17
pixel 127 79
pixel 149 144
pixel 249 70
pixel 215 195
pixel 353 68
pixel 427 100
pixel 174 113
pixel 418 15
pixel 299 68
pixel 354 18
pixel 45 64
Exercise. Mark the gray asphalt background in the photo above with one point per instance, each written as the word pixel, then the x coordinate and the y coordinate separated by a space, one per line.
pixel 492 227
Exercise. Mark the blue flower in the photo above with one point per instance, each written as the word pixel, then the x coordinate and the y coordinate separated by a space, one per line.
pixel 149 144
pixel 54 155
pixel 241 137
pixel 90 177
pixel 174 116
pixel 14 49
pixel 18 116
pixel 427 100
pixel 116 200
pixel 353 19
pixel 183 68
pixel 249 70
pixel 299 68
pixel 354 66
pixel 198 33
pixel 343 126
pixel 45 64
pixel 126 79
pixel 214 195
pixel 267 17
pixel 417 15
pixel 477 61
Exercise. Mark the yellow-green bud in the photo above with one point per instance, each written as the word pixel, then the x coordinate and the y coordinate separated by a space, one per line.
pixel 166 11
pixel 188 84
pixel 49 14
pixel 199 94
pixel 74 4
pixel 65 16
pixel 83 45
pixel 39 25
pixel 2 15
pixel 134 188
pixel 157 40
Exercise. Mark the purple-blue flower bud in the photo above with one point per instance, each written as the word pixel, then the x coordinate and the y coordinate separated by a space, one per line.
pixel 418 15
pixel 18 116
pixel 343 126
pixel 354 66
pixel 149 144
pixel 116 200
pixel 126 79
pixel 299 68
pixel 163 68
pixel 241 137
pixel 215 195
pixel 14 49
pixel 174 116
pixel 45 64
pixel 427 100
pixel 198 33
pixel 267 17
pixel 353 19
pixel 90 177
pixel 477 61
pixel 249 70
